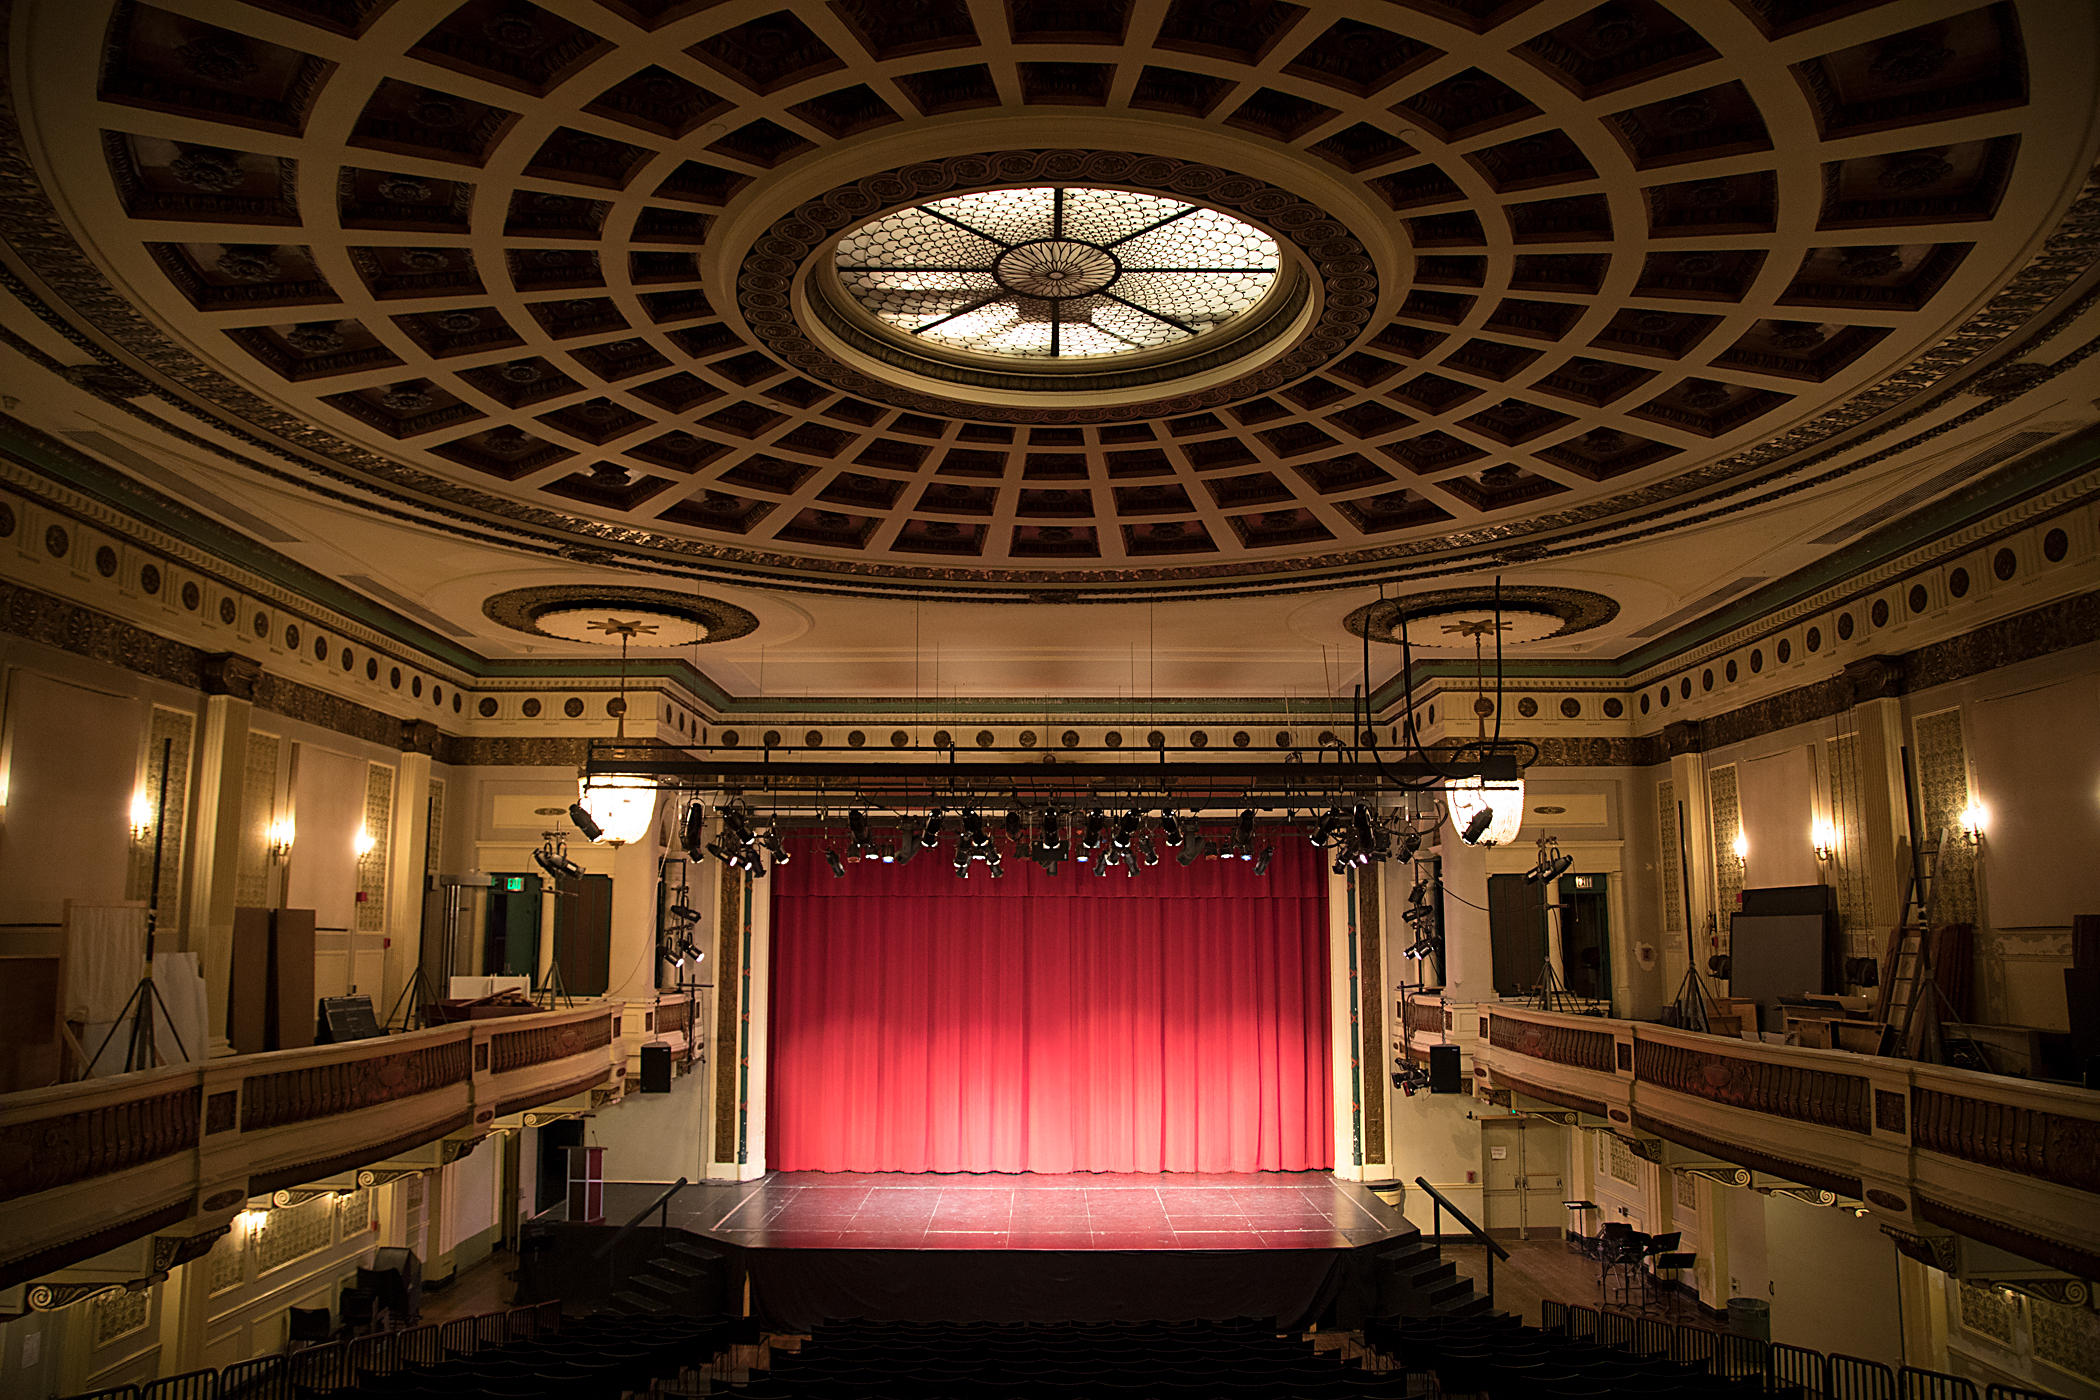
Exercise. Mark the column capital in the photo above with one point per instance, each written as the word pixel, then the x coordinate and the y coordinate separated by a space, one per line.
pixel 230 673
pixel 1873 678
pixel 1683 736
pixel 419 736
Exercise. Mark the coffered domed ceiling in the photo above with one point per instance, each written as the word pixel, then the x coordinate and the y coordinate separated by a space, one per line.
pixel 575 272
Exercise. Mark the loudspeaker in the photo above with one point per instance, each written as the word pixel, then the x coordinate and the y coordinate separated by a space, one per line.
pixel 1443 1070
pixel 656 1069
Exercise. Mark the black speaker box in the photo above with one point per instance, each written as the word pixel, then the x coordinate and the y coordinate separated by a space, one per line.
pixel 656 1069
pixel 1443 1070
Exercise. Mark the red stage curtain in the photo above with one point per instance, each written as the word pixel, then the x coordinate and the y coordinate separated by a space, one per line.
pixel 1172 1022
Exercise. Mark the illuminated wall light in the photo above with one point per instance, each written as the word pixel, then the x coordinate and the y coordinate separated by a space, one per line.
pixel 141 816
pixel 364 843
pixel 1741 846
pixel 1823 834
pixel 282 833
pixel 1974 818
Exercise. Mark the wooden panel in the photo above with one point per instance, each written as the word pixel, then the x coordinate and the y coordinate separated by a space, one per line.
pixel 292 1007
pixel 248 990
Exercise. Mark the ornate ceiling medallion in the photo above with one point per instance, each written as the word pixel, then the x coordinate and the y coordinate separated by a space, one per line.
pixel 1530 614
pixel 599 616
pixel 1032 267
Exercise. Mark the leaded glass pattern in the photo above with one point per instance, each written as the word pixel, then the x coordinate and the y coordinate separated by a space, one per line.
pixel 1057 273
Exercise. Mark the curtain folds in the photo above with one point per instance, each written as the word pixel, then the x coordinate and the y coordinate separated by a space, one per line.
pixel 1173 1022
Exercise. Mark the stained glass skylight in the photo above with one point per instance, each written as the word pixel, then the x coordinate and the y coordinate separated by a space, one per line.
pixel 1057 272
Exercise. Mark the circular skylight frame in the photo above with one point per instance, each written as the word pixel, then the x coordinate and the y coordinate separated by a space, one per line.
pixel 1276 309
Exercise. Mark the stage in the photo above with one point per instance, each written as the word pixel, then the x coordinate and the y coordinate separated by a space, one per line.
pixel 1298 1246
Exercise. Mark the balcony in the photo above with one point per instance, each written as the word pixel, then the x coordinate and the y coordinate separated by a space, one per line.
pixel 1930 1151
pixel 86 1167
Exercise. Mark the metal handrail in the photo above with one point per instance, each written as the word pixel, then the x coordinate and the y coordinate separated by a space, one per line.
pixel 1495 1251
pixel 663 1202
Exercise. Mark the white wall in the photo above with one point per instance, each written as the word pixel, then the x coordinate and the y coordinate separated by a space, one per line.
pixel 655 1137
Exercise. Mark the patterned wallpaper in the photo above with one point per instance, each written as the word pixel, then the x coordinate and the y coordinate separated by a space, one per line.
pixel 1988 1312
pixel 1848 869
pixel 2067 1338
pixel 1727 821
pixel 1943 791
pixel 258 811
pixel 1672 856
pixel 372 870
pixel 180 728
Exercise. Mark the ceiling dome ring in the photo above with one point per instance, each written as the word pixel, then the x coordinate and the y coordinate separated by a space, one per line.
pixel 699 619
pixel 1320 310
pixel 1572 609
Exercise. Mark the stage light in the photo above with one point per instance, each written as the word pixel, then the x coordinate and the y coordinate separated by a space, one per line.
pixel 972 825
pixel 1096 824
pixel 1192 850
pixel 838 867
pixel 1146 852
pixel 912 847
pixel 1502 802
pixel 560 867
pixel 1169 827
pixel 770 839
pixel 1410 841
pixel 1415 915
pixel 585 822
pixel 1419 892
pixel 1015 827
pixel 1558 866
pixel 1261 862
pixel 683 914
pixel 1126 830
pixel 1477 827
pixel 930 835
pixel 1360 822
pixel 1330 826
pixel 1246 831
pixel 857 823
pixel 692 831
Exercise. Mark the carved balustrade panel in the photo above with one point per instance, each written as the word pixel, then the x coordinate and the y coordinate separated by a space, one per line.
pixel 343 1086
pixel 1564 1045
pixel 44 1153
pixel 513 1050
pixel 672 1016
pixel 1803 1094
pixel 2033 1142
pixel 1425 1018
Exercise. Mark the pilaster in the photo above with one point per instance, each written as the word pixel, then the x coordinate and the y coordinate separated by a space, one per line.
pixel 215 853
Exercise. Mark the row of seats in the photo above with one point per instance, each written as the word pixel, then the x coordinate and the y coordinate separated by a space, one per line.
pixel 1197 1360
pixel 599 1358
pixel 1497 1355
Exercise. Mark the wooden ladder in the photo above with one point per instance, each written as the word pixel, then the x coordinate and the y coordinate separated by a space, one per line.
pixel 1908 978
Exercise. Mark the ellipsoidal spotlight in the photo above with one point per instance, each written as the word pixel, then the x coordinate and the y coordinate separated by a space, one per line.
pixel 560 867
pixel 684 915
pixel 1192 850
pixel 857 823
pixel 1243 837
pixel 1015 826
pixel 1410 841
pixel 931 833
pixel 838 867
pixel 590 829
pixel 973 825
pixel 911 848
pixel 1126 830
pixel 1261 862
pixel 1477 828
pixel 692 831
pixel 1146 852
pixel 1330 826
pixel 1170 827
pixel 1360 823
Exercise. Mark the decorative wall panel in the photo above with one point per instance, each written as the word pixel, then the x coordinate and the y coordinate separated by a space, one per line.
pixel 177 730
pixel 1943 791
pixel 1672 856
pixel 2067 1338
pixel 293 1232
pixel 1725 806
pixel 1848 864
pixel 258 812
pixel 372 869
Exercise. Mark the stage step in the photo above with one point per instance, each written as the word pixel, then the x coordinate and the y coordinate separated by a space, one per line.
pixel 657 1283
pixel 636 1302
pixel 699 1254
pixel 669 1264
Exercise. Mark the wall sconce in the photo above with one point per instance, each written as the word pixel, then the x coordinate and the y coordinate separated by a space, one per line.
pixel 280 838
pixel 141 817
pixel 1741 845
pixel 1824 836
pixel 364 843
pixel 1974 817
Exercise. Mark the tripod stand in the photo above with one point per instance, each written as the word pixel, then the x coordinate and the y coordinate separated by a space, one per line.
pixel 141 1053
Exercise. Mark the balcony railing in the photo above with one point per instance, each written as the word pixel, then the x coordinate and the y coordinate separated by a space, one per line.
pixel 85 1167
pixel 2013 1162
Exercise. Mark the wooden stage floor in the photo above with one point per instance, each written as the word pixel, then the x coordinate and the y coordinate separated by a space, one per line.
pixel 825 1210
